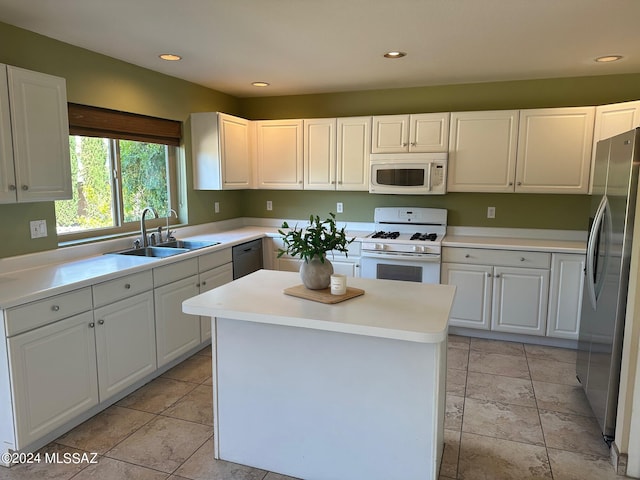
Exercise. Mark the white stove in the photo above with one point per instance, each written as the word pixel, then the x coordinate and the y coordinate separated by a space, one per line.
pixel 406 244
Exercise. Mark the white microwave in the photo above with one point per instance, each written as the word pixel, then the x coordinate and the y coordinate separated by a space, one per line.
pixel 408 173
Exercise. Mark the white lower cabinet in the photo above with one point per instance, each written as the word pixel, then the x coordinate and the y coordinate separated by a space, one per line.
pixel 176 331
pixel 565 297
pixel 348 265
pixel 125 343
pixel 53 376
pixel 520 297
pixel 474 286
pixel 493 292
pixel 215 269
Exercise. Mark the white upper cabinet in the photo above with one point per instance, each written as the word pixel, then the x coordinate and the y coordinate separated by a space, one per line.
pixel 39 168
pixel 279 154
pixel 554 150
pixel 482 151
pixel 354 151
pixel 319 154
pixel 425 132
pixel 612 120
pixel 220 152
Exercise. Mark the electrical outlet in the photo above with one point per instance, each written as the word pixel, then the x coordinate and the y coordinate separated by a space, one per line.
pixel 269 205
pixel 38 228
pixel 339 207
pixel 216 207
pixel 491 212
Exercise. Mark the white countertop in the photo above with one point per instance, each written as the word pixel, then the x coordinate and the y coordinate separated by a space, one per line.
pixel 515 243
pixel 392 309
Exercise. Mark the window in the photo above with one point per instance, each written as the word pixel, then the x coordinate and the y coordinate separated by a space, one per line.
pixel 120 164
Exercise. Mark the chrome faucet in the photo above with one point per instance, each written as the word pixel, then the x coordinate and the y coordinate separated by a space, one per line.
pixel 170 232
pixel 143 227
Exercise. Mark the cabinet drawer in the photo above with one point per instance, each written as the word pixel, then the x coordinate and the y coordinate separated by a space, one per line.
pixel 120 288
pixel 174 271
pixel 213 260
pixel 35 314
pixel 505 258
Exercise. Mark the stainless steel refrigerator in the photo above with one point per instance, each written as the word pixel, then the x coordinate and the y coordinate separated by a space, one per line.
pixel 604 301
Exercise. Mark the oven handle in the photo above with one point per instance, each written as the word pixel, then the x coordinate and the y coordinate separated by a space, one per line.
pixel 401 256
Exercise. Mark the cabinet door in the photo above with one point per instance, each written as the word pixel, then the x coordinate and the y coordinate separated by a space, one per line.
pixel 390 134
pixel 7 172
pixel 613 120
pixel 482 151
pixel 520 297
pixel 429 132
pixel 54 376
pixel 176 331
pixel 354 152
pixel 40 127
pixel 234 152
pixel 320 154
pixel 286 264
pixel 208 281
pixel 565 295
pixel 346 267
pixel 125 343
pixel 472 302
pixel 279 154
pixel 554 150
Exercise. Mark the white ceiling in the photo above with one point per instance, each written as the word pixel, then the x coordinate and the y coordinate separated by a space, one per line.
pixel 314 46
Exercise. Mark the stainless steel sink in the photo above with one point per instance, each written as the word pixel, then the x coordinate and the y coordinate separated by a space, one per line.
pixel 187 244
pixel 156 251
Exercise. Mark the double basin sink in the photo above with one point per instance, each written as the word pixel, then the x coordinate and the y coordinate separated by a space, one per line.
pixel 167 249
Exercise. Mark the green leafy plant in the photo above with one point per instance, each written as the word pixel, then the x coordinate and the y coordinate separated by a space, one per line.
pixel 315 240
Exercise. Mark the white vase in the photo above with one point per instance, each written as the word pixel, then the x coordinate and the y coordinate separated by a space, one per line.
pixel 316 274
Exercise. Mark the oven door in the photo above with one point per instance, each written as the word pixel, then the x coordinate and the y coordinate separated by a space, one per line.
pixel 409 267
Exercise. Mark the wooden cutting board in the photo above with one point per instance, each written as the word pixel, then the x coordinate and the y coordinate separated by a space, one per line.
pixel 324 295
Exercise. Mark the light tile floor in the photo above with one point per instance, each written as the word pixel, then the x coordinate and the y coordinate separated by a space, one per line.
pixel 514 412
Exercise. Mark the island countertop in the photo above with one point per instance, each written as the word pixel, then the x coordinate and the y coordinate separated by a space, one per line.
pixel 391 309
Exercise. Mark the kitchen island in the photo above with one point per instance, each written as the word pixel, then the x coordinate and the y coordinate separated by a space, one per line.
pixel 350 390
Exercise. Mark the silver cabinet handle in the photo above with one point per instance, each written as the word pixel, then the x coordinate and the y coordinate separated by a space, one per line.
pixel 101 322
pixel 91 325
pixel 127 286
pixel 55 308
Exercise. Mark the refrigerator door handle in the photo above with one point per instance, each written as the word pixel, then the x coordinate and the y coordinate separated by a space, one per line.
pixel 603 214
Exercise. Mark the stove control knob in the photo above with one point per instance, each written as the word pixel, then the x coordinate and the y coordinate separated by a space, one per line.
pixel 379 246
pixel 418 248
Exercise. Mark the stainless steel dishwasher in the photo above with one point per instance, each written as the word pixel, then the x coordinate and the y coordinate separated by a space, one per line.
pixel 247 258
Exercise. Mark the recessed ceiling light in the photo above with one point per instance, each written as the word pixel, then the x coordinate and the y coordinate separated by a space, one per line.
pixel 260 84
pixel 608 58
pixel 170 57
pixel 395 54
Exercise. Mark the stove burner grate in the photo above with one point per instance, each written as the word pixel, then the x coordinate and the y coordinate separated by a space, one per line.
pixel 386 235
pixel 424 236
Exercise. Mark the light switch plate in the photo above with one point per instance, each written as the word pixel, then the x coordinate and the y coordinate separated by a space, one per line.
pixel 38 228
pixel 216 207
pixel 269 205
pixel 339 207
pixel 491 212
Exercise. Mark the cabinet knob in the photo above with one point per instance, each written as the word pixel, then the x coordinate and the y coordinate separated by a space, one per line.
pixel 204 283
pixel 522 259
pixel 91 325
pixel 333 182
pixel 510 184
pixel 55 308
pixel 413 144
pixel 340 182
pixel 519 183
pixel 489 275
pixel 404 144
pixel 25 187
pixel 12 187
pixel 127 286
pixel 467 256
pixel 101 322
pixel 497 275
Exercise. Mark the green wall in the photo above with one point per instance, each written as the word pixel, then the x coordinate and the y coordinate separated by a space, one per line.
pixel 95 79
pixel 562 212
